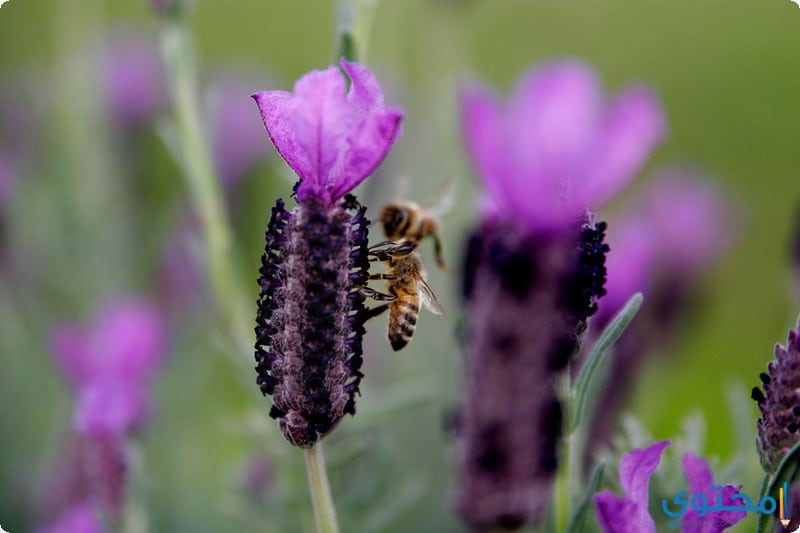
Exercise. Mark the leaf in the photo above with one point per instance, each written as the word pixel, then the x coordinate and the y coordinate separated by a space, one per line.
pixel 787 472
pixel 599 350
pixel 577 520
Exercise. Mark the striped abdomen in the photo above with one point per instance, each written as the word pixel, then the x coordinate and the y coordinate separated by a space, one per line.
pixel 403 314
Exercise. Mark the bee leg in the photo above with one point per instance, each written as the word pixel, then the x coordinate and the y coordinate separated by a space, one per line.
pixel 386 277
pixel 375 295
pixel 380 244
pixel 386 249
pixel 437 248
pixel 375 311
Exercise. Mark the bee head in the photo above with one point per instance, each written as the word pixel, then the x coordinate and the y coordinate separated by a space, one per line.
pixel 395 219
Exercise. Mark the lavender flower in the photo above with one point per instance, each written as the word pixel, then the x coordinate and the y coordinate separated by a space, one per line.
pixel 111 364
pixel 134 79
pixel 679 227
pixel 534 269
pixel 701 481
pixel 779 403
pixel 310 310
pixel 80 518
pixel 629 514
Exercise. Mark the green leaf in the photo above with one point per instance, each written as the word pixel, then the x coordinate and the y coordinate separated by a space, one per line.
pixel 599 350
pixel 577 520
pixel 787 472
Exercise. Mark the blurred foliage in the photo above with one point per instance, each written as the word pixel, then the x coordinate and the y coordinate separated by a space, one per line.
pixel 95 205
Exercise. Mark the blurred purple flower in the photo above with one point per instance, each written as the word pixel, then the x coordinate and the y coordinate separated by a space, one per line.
pixel 311 314
pixel 679 227
pixel 701 481
pixel 111 364
pixel 180 267
pixel 331 138
pixel 534 269
pixel 628 514
pixel 80 518
pixel 238 143
pixel 8 180
pixel 555 149
pixel 134 78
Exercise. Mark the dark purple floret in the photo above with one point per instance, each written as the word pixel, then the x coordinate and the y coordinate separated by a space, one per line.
pixel 779 403
pixel 311 315
pixel 528 297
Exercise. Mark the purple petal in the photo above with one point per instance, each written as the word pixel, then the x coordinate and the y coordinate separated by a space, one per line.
pixel 129 339
pixel 630 267
pixel 134 78
pixel 276 112
pixel 689 219
pixel 630 130
pixel 332 140
pixel 80 518
pixel 553 117
pixel 482 129
pixel 622 515
pixel 70 348
pixel 698 473
pixel 109 408
pixel 636 468
pixel 701 481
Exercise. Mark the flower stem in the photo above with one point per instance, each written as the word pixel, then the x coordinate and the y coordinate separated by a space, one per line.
pixel 324 511
pixel 353 28
pixel 193 151
pixel 563 490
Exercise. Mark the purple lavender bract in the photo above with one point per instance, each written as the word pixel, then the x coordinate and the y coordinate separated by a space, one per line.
pixel 629 513
pixel 779 403
pixel 534 269
pixel 310 310
pixel 111 364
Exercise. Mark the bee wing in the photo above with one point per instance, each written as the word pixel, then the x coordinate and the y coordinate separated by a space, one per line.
pixel 442 202
pixel 429 300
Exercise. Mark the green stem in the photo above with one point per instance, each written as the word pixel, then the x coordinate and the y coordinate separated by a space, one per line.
pixel 194 153
pixel 563 488
pixel 353 28
pixel 324 511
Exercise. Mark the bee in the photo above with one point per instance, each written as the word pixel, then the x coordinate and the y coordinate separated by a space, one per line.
pixel 408 221
pixel 406 289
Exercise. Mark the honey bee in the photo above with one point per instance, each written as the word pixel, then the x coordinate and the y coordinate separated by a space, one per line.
pixel 406 289
pixel 408 221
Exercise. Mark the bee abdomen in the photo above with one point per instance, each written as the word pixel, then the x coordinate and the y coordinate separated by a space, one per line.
pixel 402 323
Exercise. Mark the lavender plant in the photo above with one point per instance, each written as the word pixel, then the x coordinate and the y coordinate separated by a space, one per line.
pixel 679 227
pixel 111 364
pixel 311 307
pixel 629 514
pixel 533 271
pixel 779 404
